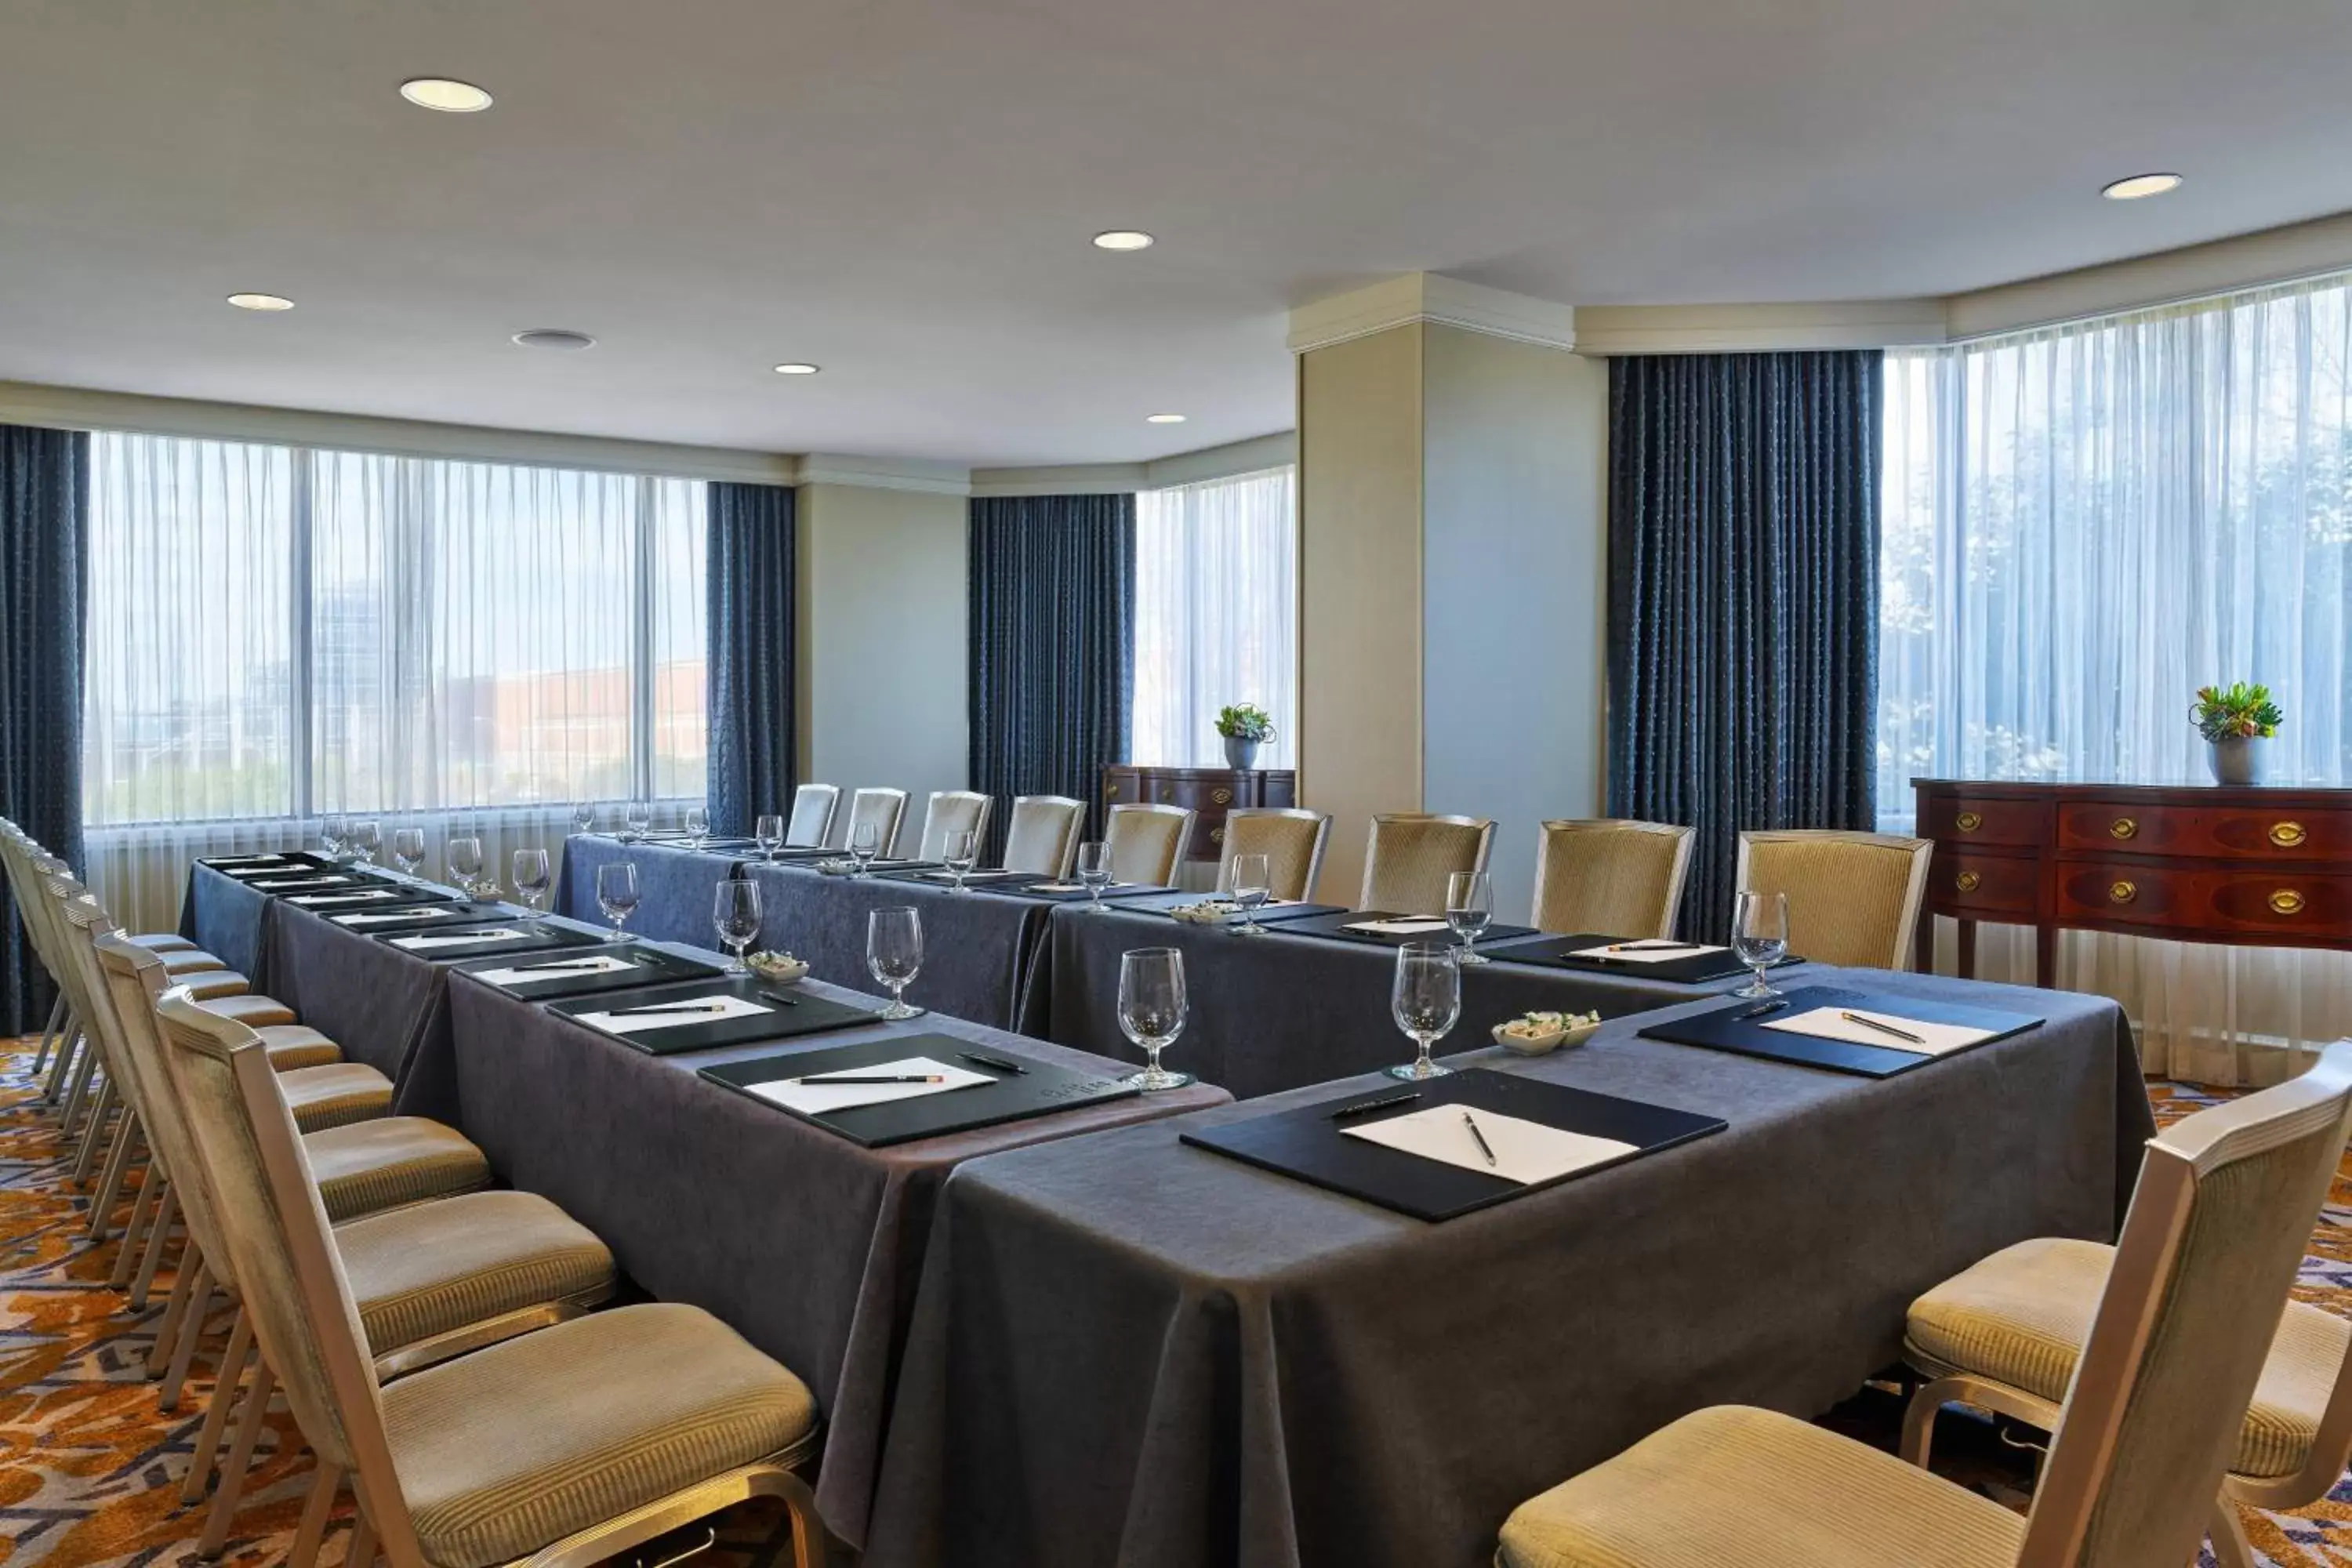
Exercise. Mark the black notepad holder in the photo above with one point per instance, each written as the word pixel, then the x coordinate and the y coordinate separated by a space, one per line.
pixel 791 1013
pixel 974 880
pixel 1725 1029
pixel 418 917
pixel 652 967
pixel 1042 1089
pixel 1309 1143
pixel 1334 927
pixel 291 862
pixel 1044 890
pixel 546 939
pixel 1557 952
pixel 390 896
pixel 316 880
pixel 1272 914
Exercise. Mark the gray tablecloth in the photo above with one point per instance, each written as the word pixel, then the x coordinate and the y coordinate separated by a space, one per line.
pixel 1130 1351
pixel 808 1245
pixel 676 886
pixel 224 917
pixel 1277 1012
pixel 981 951
pixel 383 1006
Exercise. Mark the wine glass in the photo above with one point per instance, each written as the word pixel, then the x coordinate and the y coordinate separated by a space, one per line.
pixel 640 818
pixel 1469 905
pixel 1426 1001
pixel 735 914
pixel 464 854
pixel 1152 1011
pixel 532 878
pixel 616 892
pixel 1759 936
pixel 408 849
pixel 864 843
pixel 1252 880
pixel 331 833
pixel 769 831
pixel 961 849
pixel 698 825
pixel 894 954
pixel 1094 873
pixel 583 816
pixel 367 839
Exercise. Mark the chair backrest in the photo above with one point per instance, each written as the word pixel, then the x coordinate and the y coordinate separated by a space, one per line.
pixel 1292 839
pixel 1412 855
pixel 1146 841
pixel 30 868
pixel 1042 834
pixel 2219 1222
pixel 812 819
pixel 287 1270
pixel 884 808
pixel 1854 898
pixel 952 811
pixel 1610 877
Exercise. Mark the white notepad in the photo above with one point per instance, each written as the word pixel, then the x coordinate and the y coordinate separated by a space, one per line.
pixel 559 969
pixel 1404 925
pixel 284 884
pixel 460 939
pixel 1823 1024
pixel 219 861
pixel 813 1100
pixel 396 917
pixel 1662 953
pixel 723 1008
pixel 367 896
pixel 1524 1151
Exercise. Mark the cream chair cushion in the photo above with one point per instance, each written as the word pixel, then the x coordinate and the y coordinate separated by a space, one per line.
pixel 182 962
pixel 1735 1487
pixel 1854 898
pixel 2022 1315
pixel 1411 859
pixel 253 1012
pixel 432 1268
pixel 507 1449
pixel 364 1166
pixel 333 1095
pixel 292 1046
pixel 162 941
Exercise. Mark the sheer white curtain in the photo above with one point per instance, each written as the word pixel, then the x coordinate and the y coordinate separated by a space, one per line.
pixel 2084 525
pixel 1216 617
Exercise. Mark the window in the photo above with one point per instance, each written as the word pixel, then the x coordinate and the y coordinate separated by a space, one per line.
pixel 1216 617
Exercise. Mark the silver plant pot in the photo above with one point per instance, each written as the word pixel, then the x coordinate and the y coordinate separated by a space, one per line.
pixel 1241 754
pixel 2235 761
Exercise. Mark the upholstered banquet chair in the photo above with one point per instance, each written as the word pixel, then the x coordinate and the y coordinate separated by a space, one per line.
pixel 1412 856
pixel 812 820
pixel 2157 1405
pixel 1043 835
pixel 565 1446
pixel 952 811
pixel 1291 838
pixel 1854 898
pixel 1146 842
pixel 882 809
pixel 1610 877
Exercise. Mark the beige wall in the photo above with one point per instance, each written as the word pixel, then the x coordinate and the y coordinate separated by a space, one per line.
pixel 1360 548
pixel 881 655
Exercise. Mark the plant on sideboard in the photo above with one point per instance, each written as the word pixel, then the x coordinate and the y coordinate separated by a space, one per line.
pixel 2233 719
pixel 1245 727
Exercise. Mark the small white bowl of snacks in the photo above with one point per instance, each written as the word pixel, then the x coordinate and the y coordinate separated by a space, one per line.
pixel 1207 912
pixel 1533 1034
pixel 778 968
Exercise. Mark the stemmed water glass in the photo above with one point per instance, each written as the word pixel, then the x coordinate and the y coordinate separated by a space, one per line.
pixel 1759 936
pixel 735 914
pixel 331 833
pixel 1094 873
pixel 864 843
pixel 583 816
pixel 464 854
pixel 768 833
pixel 894 954
pixel 532 879
pixel 1252 881
pixel 408 849
pixel 1151 1008
pixel 639 818
pixel 616 892
pixel 961 849
pixel 1426 1001
pixel 1469 905
pixel 698 825
pixel 367 839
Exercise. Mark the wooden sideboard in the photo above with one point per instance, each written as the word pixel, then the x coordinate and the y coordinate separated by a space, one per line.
pixel 2242 867
pixel 1212 792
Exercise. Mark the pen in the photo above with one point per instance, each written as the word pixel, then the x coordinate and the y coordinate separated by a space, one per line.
pixel 1382 1103
pixel 1653 946
pixel 1883 1028
pixel 1760 1012
pixel 667 1007
pixel 781 1001
pixel 898 1078
pixel 1484 1147
pixel 999 1063
pixel 559 968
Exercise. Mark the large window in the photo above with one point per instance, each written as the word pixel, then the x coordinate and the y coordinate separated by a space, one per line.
pixel 1216 617
pixel 2082 526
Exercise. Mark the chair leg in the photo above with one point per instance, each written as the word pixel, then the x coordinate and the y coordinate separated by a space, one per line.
pixel 93 1136
pixel 2230 1547
pixel 360 1551
pixel 191 1328
pixel 240 1459
pixel 49 1033
pixel 1919 1421
pixel 143 1199
pixel 69 1041
pixel 84 1064
pixel 167 1209
pixel 109 1180
pixel 167 1327
pixel 316 1507
pixel 224 1387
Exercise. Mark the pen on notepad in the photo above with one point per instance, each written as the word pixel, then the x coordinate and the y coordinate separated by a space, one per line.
pixel 895 1078
pixel 1883 1028
pixel 1760 1012
pixel 999 1063
pixel 559 968
pixel 1653 947
pixel 1345 1111
pixel 1484 1147
pixel 670 1008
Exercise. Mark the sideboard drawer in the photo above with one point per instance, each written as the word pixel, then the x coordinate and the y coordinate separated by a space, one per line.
pixel 1969 885
pixel 1964 819
pixel 2206 832
pixel 2268 904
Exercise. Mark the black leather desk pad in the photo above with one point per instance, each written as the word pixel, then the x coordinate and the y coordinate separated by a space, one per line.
pixel 394 896
pixel 1723 1029
pixel 1334 927
pixel 1307 1144
pixel 791 1013
pixel 1552 952
pixel 1272 914
pixel 654 967
pixel 316 880
pixel 1042 1091
pixel 546 939
pixel 416 917
pixel 672 839
pixel 932 874
pixel 289 862
pixel 1041 890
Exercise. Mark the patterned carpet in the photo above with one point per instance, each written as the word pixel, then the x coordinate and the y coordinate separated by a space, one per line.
pixel 90 1468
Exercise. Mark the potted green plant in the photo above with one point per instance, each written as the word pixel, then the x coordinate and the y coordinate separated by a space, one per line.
pixel 1245 727
pixel 2232 721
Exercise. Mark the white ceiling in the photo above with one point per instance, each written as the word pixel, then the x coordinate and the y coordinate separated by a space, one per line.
pixel 902 190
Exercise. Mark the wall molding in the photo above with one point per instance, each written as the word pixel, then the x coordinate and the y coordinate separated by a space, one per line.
pixel 1228 461
pixel 1431 297
pixel 884 473
pixel 1752 329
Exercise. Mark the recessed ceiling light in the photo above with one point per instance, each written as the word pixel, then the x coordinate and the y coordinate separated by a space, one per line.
pixel 443 93
pixel 261 301
pixel 1123 239
pixel 555 337
pixel 796 368
pixel 1163 419
pixel 2141 185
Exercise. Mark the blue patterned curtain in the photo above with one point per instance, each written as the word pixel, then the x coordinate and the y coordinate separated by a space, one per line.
pixel 1743 600
pixel 753 769
pixel 43 581
pixel 1052 646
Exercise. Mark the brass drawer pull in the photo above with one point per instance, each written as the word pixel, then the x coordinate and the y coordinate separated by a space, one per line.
pixel 2287 835
pixel 1968 822
pixel 2287 901
pixel 1217 835
pixel 1220 796
pixel 1967 881
pixel 2122 828
pixel 2121 892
